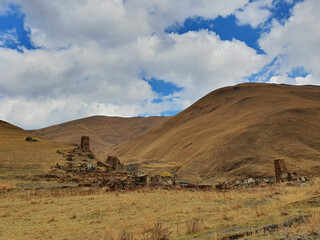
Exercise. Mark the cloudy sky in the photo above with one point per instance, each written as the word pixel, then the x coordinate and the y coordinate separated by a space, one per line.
pixel 62 60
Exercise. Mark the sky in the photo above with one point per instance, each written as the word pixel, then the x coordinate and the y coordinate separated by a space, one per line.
pixel 64 60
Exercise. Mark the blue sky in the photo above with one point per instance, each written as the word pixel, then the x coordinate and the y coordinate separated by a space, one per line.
pixel 64 61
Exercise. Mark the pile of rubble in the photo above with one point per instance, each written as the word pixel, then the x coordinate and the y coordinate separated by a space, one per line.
pixel 241 183
pixel 30 139
pixel 131 182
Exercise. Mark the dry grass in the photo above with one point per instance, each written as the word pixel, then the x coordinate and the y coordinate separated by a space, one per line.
pixel 236 131
pixel 93 214
pixel 19 157
pixel 6 186
pixel 101 130
pixel 194 225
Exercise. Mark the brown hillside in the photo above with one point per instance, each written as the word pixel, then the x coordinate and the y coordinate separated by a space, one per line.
pixel 236 132
pixel 19 157
pixel 105 132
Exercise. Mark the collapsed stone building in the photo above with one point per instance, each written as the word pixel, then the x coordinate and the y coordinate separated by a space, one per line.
pixel 131 182
pixel 110 173
pixel 115 163
pixel 115 175
pixel 283 175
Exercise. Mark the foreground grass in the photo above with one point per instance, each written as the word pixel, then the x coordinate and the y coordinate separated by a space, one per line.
pixel 86 213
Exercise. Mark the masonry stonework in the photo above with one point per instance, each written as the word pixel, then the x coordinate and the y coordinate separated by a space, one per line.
pixel 85 144
pixel 281 171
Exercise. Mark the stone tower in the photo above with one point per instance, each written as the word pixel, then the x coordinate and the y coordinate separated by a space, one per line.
pixel 280 170
pixel 85 144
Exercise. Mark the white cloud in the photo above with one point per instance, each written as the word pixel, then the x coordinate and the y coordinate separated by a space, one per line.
pixel 96 52
pixel 3 6
pixel 296 43
pixel 8 37
pixel 92 75
pixel 112 23
pixel 200 61
pixel 254 13
pixel 307 80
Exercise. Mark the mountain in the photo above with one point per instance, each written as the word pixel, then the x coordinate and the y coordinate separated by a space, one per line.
pixel 21 157
pixel 236 132
pixel 105 132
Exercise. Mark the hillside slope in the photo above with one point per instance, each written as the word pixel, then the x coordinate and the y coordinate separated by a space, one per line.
pixel 236 132
pixel 105 132
pixel 19 157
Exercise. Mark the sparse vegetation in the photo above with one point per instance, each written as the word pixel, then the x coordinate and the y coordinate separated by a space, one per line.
pixel 194 225
pixel 88 213
pixel 158 232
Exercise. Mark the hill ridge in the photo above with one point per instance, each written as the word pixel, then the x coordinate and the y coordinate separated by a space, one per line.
pixel 236 131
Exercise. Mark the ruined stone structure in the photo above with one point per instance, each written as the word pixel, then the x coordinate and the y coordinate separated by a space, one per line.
pixel 158 180
pixel 115 163
pixel 281 171
pixel 85 144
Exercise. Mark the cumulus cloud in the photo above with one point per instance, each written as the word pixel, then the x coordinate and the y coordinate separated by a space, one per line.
pixel 307 80
pixel 94 55
pixel 254 13
pixel 296 43
pixel 114 22
pixel 200 61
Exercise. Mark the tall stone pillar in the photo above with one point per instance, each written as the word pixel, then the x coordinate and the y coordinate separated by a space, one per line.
pixel 281 171
pixel 85 144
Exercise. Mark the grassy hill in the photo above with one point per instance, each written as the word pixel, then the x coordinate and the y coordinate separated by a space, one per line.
pixel 19 157
pixel 236 132
pixel 105 132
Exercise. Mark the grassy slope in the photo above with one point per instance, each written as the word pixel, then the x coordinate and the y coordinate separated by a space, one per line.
pixel 105 132
pixel 237 132
pixel 18 157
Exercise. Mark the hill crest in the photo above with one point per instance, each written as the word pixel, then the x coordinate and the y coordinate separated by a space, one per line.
pixel 236 132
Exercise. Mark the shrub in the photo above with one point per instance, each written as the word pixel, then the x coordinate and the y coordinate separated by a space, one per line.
pixel 124 235
pixel 158 232
pixel 194 225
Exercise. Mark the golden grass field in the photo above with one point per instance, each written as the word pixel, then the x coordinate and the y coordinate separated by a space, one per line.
pixel 89 213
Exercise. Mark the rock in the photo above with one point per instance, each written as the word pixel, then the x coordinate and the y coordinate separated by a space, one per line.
pixel 114 163
pixel 90 167
pixel 30 139
pixel 59 166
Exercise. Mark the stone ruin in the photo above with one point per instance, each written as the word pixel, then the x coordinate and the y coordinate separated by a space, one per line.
pixel 114 163
pixel 281 171
pixel 85 144
pixel 281 175
pixel 134 182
